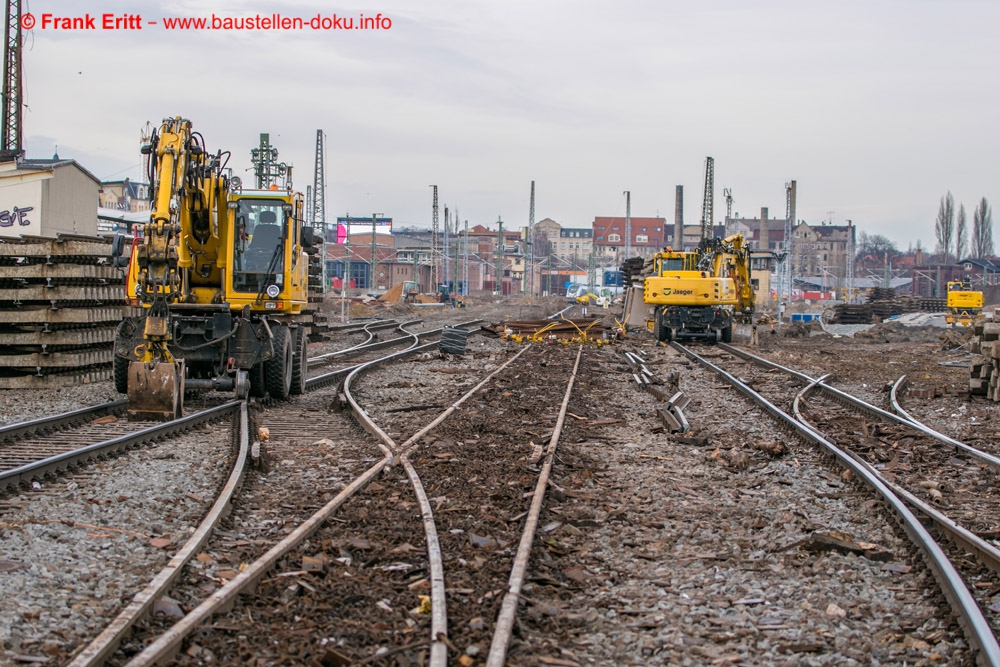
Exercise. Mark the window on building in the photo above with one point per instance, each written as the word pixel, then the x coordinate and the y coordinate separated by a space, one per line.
pixel 641 238
pixel 614 238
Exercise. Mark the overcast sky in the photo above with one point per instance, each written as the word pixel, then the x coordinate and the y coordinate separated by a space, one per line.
pixel 876 108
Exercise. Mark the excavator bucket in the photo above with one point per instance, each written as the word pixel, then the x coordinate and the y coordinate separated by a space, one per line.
pixel 155 390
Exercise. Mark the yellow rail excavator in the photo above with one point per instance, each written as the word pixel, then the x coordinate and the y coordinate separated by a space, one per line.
pixel 222 276
pixel 603 299
pixel 698 295
pixel 964 303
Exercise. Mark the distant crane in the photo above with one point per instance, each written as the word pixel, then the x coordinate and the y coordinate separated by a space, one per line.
pixel 11 146
pixel 709 201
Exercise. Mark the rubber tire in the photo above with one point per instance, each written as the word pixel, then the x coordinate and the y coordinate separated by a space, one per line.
pixel 258 386
pixel 278 371
pixel 727 334
pixel 300 364
pixel 120 369
pixel 660 330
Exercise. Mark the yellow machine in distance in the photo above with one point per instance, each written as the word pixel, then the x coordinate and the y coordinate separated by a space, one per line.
pixel 222 275
pixel 964 303
pixel 699 294
pixel 603 299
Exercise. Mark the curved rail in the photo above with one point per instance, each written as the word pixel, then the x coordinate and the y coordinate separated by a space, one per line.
pixel 53 464
pixel 987 554
pixel 970 616
pixel 222 598
pixel 897 388
pixel 846 399
pixel 368 329
pixel 106 643
pixel 508 608
pixel 439 605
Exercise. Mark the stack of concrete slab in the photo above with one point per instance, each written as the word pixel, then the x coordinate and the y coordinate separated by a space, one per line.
pixel 60 301
pixel 984 369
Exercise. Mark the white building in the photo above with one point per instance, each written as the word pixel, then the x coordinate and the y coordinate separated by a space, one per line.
pixel 47 197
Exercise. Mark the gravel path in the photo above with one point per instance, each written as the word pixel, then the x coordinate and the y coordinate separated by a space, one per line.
pixel 76 550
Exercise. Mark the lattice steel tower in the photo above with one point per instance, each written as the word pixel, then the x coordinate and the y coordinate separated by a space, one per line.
pixel 319 183
pixel 707 214
pixel 11 148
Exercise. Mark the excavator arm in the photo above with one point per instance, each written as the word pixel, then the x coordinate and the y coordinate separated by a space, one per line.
pixel 186 186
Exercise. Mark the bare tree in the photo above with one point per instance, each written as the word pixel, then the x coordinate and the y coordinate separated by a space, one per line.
pixel 944 226
pixel 982 230
pixel 961 234
pixel 874 250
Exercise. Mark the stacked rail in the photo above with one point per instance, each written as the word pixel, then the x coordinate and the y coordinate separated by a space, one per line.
pixel 60 301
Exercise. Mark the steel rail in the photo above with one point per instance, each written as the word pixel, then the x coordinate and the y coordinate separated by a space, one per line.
pixel 439 603
pixel 334 377
pixel 62 420
pixel 106 643
pixel 355 349
pixel 970 616
pixel 897 388
pixel 53 464
pixel 508 608
pixel 169 642
pixel 987 554
pixel 852 401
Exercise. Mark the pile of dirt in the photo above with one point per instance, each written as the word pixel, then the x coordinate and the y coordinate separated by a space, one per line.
pixel 800 329
pixel 895 332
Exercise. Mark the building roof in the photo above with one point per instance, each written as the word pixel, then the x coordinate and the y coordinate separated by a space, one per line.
pixel 45 164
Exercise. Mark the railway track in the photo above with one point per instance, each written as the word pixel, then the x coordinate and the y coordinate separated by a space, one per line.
pixel 32 450
pixel 895 472
pixel 422 464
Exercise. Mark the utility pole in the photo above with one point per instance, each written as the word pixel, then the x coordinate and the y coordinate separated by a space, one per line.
pixel 789 243
pixel 11 146
pixel 444 256
pixel 708 203
pixel 465 258
pixel 345 313
pixel 628 225
pixel 309 205
pixel 849 270
pixel 529 264
pixel 730 227
pixel 591 271
pixel 499 256
pixel 454 273
pixel 374 260
pixel 434 240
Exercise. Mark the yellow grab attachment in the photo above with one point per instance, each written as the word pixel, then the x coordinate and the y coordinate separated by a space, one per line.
pixel 155 390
